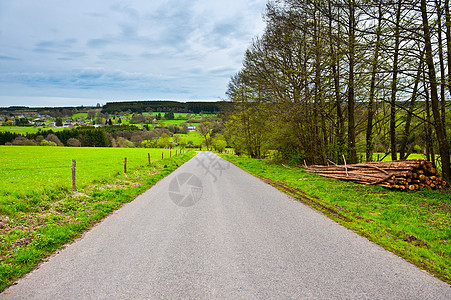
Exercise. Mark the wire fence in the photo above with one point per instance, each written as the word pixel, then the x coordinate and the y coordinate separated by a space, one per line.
pixel 79 169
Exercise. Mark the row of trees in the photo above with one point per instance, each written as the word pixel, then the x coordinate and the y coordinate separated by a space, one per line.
pixel 337 77
pixel 50 111
pixel 165 106
pixel 108 136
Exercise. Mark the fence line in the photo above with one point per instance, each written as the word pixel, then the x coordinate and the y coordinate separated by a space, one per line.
pixel 74 166
pixel 69 165
pixel 125 166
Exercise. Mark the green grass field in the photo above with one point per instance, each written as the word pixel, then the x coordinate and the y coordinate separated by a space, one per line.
pixel 414 225
pixel 174 122
pixel 176 115
pixel 40 212
pixel 35 168
pixel 25 130
pixel 79 115
pixel 379 156
pixel 193 136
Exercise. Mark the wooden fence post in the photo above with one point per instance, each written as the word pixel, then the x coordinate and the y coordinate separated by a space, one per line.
pixel 74 164
pixel 170 153
pixel 148 157
pixel 125 165
pixel 162 156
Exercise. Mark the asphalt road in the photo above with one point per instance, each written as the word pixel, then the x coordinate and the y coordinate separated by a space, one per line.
pixel 210 230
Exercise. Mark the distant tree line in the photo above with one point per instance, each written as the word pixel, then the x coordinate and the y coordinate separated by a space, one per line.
pixel 51 111
pixel 165 106
pixel 87 136
pixel 128 136
pixel 346 77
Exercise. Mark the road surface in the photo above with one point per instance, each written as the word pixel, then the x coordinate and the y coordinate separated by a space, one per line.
pixel 211 230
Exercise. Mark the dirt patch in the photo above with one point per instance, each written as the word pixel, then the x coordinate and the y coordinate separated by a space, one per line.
pixel 79 195
pixel 411 239
pixel 4 225
pixel 22 241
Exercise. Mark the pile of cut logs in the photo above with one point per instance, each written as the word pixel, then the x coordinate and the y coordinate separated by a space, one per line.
pixel 401 175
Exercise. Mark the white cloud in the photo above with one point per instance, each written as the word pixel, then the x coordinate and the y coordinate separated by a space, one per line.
pixel 123 49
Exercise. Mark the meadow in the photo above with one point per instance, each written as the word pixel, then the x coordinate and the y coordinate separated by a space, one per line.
pixel 28 129
pixel 181 115
pixel 414 225
pixel 36 168
pixel 39 210
pixel 82 115
pixel 193 136
pixel 379 156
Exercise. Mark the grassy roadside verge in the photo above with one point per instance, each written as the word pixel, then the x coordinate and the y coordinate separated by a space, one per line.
pixel 28 238
pixel 414 225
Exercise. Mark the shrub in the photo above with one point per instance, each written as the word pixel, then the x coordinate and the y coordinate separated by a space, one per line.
pixel 29 143
pixel 124 143
pixel 219 143
pixel 19 141
pixel 73 142
pixel 48 143
pixel 53 138
pixel 164 141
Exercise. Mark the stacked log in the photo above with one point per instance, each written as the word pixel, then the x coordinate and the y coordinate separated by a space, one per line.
pixel 402 175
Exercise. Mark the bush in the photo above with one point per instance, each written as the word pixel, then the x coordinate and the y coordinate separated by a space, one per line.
pixel 19 141
pixel 53 138
pixel 164 141
pixel 39 139
pixel 29 143
pixel 124 143
pixel 73 142
pixel 48 143
pixel 219 142
pixel 417 149
pixel 136 139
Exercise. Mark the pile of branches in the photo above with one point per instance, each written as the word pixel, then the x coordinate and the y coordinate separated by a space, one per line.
pixel 401 175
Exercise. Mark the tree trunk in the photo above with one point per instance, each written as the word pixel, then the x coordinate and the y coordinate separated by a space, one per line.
pixel 441 60
pixel 430 154
pixel 394 154
pixel 320 135
pixel 351 92
pixel 371 109
pixel 406 133
pixel 439 126
pixel 448 40
pixel 335 66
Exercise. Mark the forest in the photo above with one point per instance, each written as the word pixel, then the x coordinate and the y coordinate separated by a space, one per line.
pixel 166 106
pixel 336 79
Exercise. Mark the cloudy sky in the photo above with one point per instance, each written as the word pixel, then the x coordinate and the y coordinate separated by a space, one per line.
pixel 83 52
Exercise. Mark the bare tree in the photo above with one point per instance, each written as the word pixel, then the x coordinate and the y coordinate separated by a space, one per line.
pixel 438 121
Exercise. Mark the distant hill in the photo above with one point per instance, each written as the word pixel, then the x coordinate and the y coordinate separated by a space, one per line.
pixel 123 106
pixel 166 106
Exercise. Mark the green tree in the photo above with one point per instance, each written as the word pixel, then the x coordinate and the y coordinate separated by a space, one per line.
pixel 164 141
pixel 47 143
pixel 53 138
pixel 206 129
pixel 58 122
pixel 73 142
pixel 169 116
pixel 219 142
